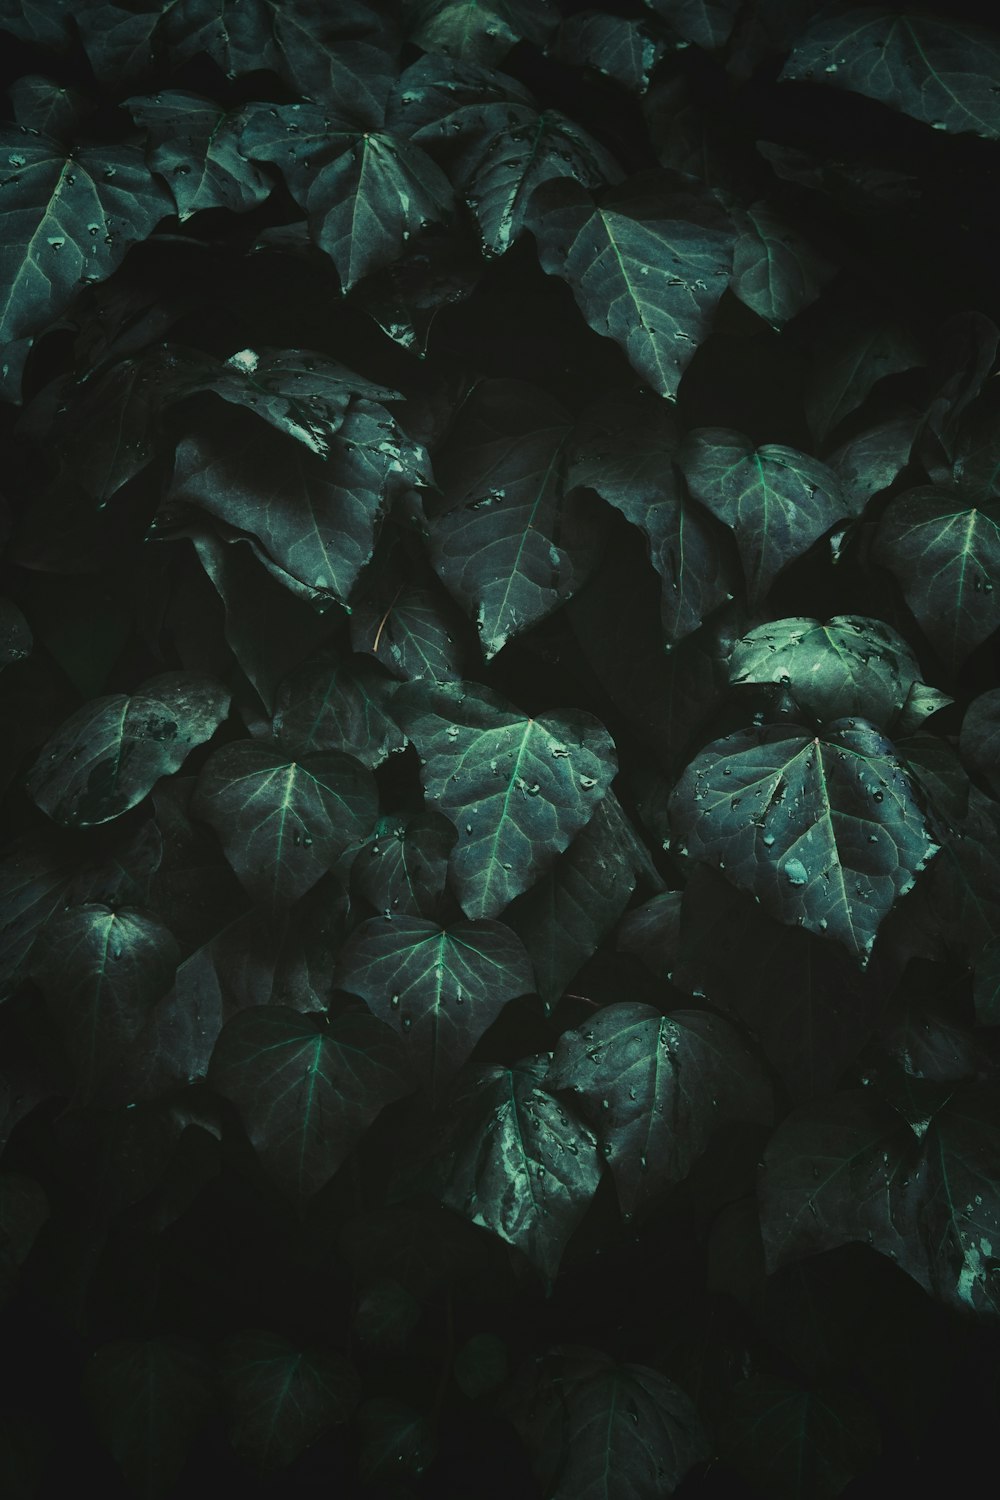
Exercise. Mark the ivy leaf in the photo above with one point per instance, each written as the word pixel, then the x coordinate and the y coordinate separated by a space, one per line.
pixel 337 703
pixel 776 272
pixel 480 31
pixel 44 107
pixel 857 353
pixel 441 988
pixel 869 462
pixel 627 452
pixel 979 740
pixel 516 788
pixel 511 543
pixel 149 1398
pixel 108 755
pixel 801 1443
pixel 102 971
pixel 706 23
pixel 583 1416
pixel 402 870
pixel 65 220
pixel 365 204
pixel 193 144
pixel 652 932
pixel 826 832
pixel 946 555
pixel 776 500
pixel 280 1397
pixel 850 665
pixel 518 1164
pixel 306 1092
pixel 284 821
pixel 655 1088
pixel 15 634
pixel 412 630
pixel 394 1439
pixel 941 72
pixel 622 50
pixel 646 266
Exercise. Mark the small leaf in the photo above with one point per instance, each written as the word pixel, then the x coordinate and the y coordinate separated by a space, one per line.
pixel 280 1397
pixel 284 821
pixel 306 1093
pixel 776 273
pixel 516 788
pixel 108 755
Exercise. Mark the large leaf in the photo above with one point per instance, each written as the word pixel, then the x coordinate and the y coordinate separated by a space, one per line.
pixel 627 451
pixel 193 144
pixel 796 1443
pixel 776 273
pixel 646 265
pixel 102 971
pixel 281 1397
pixel 850 665
pixel 284 821
pixel 655 1088
pixel 65 219
pixel 518 1164
pixel 946 554
pixel 826 832
pixel 776 500
pixel 511 543
pixel 598 1429
pixel 517 788
pixel 440 987
pixel 111 752
pixel 941 71
pixel 403 869
pixel 337 703
pixel 149 1398
pixel 307 1091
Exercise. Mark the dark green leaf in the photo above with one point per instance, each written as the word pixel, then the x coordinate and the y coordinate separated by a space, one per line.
pixel 337 703
pixel 622 50
pixel 480 31
pixel 395 1440
pixel 109 754
pixel 940 71
pixel 946 555
pixel 776 500
pixel 193 144
pixel 35 875
pixel 707 23
pixel 517 788
pixel 307 1092
pixel 102 971
pixel 986 986
pixel 856 354
pixel 798 1444
pixel 441 988
pixel 825 832
pixel 385 1316
pixel 645 264
pixel 652 932
pixel 511 543
pixel 284 821
pixel 518 1164
pixel 776 272
pixel 15 634
pixel 402 870
pixel 413 631
pixel 280 1397
pixel 937 771
pixel 655 1088
pixel 979 740
pixel 871 461
pixel 43 107
pixel 149 1398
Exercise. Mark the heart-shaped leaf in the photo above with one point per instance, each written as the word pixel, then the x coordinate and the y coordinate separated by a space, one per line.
pixel 776 273
pixel 280 1397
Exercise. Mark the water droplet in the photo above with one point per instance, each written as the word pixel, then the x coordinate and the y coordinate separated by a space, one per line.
pixel 795 872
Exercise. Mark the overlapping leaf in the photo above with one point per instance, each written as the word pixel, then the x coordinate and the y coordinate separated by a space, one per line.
pixel 306 1092
pixel 776 500
pixel 284 821
pixel 517 788
pixel 646 265
pixel 861 348
pixel 403 869
pixel 281 1397
pixel 826 832
pixel 979 741
pixel 109 754
pixel 621 49
pixel 193 144
pixel 337 703
pixel 776 272
pixel 480 31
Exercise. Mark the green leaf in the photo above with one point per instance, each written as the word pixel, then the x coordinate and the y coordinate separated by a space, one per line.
pixel 826 832
pixel 652 932
pixel 869 462
pixel 707 23
pixel 65 220
pixel 412 630
pixel 646 265
pixel 946 555
pixel 15 634
pixel 102 971
pixel 517 788
pixel 44 107
pixel 280 1397
pixel 108 755
pixel 306 1092
pixel 585 1417
pixel 858 351
pixel 622 50
pixel 776 500
pixel 395 1440
pixel 518 1164
pixel 655 1088
pixel 480 31
pixel 402 870
pixel 979 739
pixel 626 450
pixel 512 541
pixel 441 988
pixel 284 821
pixel 365 204
pixel 850 665
pixel 149 1398
pixel 193 144
pixel 334 702
pixel 939 71
pixel 798 1443
pixel 776 272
